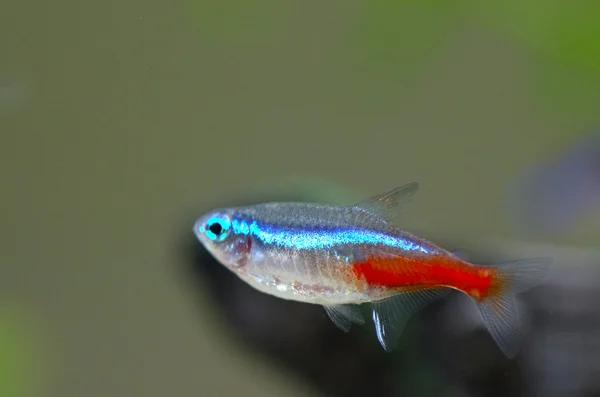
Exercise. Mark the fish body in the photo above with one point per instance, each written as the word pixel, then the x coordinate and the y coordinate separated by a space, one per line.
pixel 343 256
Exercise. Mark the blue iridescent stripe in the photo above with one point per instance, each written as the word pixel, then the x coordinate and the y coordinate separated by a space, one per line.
pixel 319 238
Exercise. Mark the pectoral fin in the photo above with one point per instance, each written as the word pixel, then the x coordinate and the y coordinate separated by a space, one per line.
pixel 344 315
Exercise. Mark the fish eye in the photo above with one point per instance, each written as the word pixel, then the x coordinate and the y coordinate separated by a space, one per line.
pixel 217 228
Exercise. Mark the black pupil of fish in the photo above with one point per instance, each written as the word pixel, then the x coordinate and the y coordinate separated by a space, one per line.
pixel 216 228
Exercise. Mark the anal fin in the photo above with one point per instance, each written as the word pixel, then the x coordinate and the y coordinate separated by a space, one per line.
pixel 391 315
pixel 344 315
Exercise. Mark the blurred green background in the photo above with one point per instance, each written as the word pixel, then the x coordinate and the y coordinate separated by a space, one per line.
pixel 119 117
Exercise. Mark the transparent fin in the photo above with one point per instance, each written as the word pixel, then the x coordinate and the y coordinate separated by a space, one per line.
pixel 461 254
pixel 501 318
pixel 522 275
pixel 388 206
pixel 344 315
pixel 499 312
pixel 391 315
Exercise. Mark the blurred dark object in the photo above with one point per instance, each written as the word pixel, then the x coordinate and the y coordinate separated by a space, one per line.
pixel 548 198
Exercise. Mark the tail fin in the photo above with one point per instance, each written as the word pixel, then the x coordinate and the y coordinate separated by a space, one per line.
pixel 499 309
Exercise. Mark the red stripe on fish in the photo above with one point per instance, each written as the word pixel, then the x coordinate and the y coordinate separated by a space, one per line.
pixel 427 272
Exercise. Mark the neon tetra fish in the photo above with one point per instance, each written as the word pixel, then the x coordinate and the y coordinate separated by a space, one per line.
pixel 343 256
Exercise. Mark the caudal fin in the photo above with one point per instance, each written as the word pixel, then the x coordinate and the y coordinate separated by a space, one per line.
pixel 499 309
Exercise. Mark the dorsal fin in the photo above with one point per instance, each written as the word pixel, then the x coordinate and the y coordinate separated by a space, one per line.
pixel 388 206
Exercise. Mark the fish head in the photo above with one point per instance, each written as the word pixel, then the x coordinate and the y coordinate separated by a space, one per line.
pixel 228 244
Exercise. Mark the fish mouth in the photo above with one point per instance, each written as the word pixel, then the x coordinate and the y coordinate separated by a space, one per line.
pixel 198 229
